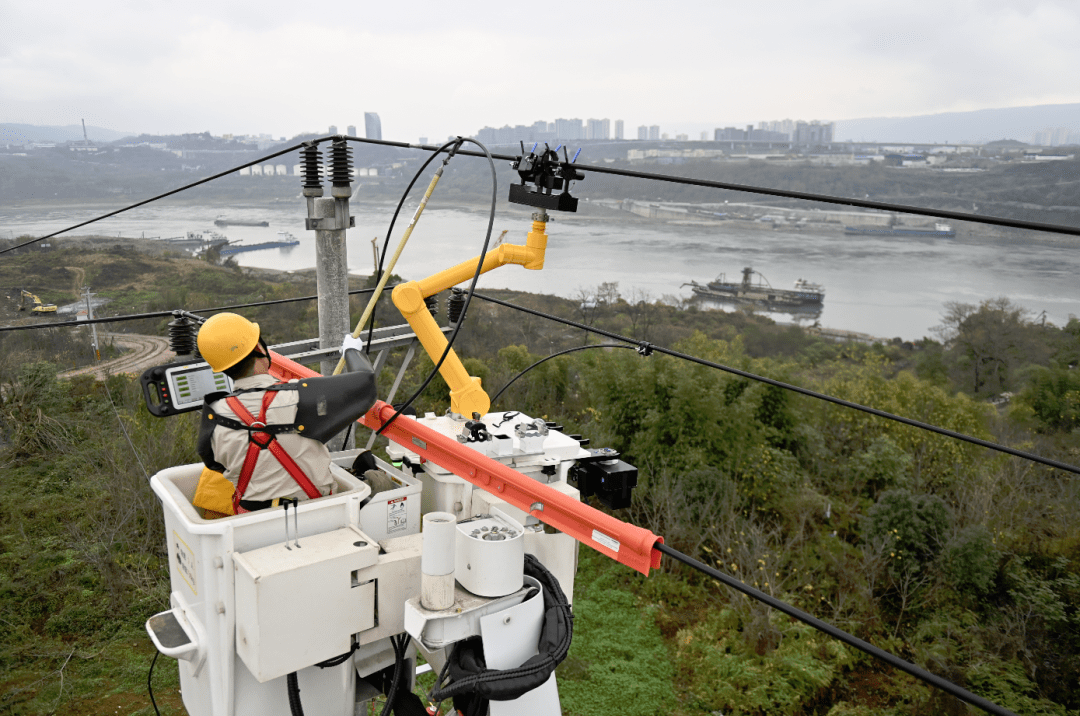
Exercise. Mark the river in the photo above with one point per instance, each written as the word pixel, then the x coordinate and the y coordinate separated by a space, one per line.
pixel 877 285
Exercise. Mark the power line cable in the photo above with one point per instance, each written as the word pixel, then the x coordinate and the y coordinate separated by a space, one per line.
pixel 159 196
pixel 824 627
pixel 810 196
pixel 827 199
pixel 646 346
pixel 164 314
pixel 556 355
pixel 805 196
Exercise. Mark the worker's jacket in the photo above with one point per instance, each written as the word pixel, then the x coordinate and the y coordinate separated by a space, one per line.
pixel 302 417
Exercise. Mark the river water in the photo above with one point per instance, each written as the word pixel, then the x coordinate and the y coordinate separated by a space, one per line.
pixel 882 286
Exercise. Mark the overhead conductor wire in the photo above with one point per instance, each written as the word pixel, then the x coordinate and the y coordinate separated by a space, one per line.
pixel 164 314
pixel 645 346
pixel 136 205
pixel 826 628
pixel 650 176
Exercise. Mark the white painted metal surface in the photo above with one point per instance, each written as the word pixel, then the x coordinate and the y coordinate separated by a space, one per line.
pixel 510 639
pixel 490 555
pixel 300 603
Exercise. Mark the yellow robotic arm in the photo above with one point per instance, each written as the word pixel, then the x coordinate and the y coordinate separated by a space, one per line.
pixel 466 394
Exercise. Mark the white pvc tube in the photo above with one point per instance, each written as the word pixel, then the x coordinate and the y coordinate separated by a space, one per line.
pixel 440 533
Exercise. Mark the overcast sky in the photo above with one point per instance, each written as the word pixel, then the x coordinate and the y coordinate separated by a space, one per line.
pixel 438 68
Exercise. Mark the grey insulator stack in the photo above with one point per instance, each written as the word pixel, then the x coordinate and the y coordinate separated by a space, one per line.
pixel 455 305
pixel 311 161
pixel 182 335
pixel 340 163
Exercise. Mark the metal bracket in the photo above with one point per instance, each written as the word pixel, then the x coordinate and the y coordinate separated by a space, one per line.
pixel 329 223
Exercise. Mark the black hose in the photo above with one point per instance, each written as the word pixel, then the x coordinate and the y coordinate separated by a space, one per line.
pixel 400 645
pixel 468 296
pixel 150 684
pixel 393 220
pixel 294 695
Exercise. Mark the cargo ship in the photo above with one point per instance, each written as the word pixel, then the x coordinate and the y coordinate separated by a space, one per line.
pixel 233 222
pixel 805 296
pixel 940 230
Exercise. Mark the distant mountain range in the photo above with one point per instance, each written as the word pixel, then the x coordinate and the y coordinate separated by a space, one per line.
pixel 22 133
pixel 976 127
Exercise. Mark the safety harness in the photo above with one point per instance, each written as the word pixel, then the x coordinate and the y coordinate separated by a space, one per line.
pixel 259 441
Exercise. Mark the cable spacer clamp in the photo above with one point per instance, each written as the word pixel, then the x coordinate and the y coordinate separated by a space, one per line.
pixel 645 349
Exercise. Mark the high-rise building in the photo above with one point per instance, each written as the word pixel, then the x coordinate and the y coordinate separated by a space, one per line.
pixel 333 129
pixel 642 132
pixel 813 133
pixel 351 130
pixel 372 126
pixel 619 129
pixel 654 131
pixel 598 129
pixel 569 129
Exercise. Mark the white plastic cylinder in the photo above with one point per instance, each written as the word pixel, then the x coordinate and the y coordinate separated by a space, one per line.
pixel 437 554
pixel 437 561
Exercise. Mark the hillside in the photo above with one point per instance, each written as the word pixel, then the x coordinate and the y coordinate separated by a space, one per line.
pixel 974 127
pixel 962 561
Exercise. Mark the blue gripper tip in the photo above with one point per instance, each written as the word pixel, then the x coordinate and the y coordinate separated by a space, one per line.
pixel 576 155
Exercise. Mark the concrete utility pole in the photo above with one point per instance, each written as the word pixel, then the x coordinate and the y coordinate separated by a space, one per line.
pixel 90 317
pixel 329 218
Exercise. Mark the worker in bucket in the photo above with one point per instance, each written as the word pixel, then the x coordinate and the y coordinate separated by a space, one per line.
pixel 267 437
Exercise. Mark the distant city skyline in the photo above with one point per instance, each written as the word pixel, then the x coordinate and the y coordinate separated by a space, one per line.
pixel 221 67
pixel 567 130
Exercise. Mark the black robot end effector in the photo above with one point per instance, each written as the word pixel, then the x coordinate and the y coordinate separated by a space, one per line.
pixel 603 474
pixel 542 175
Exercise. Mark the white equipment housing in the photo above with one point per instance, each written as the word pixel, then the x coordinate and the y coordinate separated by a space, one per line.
pixel 254 598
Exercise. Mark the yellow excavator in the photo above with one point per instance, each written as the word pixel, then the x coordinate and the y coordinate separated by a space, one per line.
pixel 36 305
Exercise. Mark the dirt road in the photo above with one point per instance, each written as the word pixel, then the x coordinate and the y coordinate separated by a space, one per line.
pixel 144 352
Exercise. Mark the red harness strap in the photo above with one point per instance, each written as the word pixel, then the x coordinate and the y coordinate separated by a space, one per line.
pixel 264 441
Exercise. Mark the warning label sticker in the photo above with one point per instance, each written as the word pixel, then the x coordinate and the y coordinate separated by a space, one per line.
pixel 185 562
pixel 609 542
pixel 397 518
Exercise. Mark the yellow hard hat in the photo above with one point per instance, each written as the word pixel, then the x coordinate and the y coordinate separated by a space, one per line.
pixel 226 339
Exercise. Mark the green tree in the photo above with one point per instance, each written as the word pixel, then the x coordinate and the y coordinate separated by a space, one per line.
pixel 988 342
pixel 1053 394
pixel 912 527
